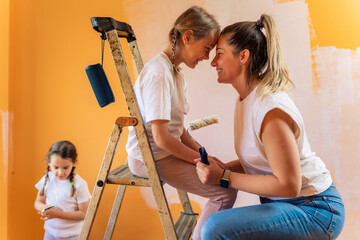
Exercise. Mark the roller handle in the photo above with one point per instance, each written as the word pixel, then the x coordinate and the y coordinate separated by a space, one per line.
pixel 204 156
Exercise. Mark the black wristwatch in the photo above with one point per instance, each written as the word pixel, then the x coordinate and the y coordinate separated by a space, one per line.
pixel 224 182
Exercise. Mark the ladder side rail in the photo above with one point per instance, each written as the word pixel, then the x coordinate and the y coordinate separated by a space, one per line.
pixel 185 202
pixel 100 182
pixel 115 212
pixel 134 48
pixel 158 191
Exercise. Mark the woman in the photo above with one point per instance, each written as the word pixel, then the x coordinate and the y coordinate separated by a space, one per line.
pixel 298 199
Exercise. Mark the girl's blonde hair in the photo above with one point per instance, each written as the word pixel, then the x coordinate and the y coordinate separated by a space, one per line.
pixel 196 19
pixel 267 58
pixel 63 149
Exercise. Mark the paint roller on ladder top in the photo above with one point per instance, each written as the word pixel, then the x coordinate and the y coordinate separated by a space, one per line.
pixel 199 123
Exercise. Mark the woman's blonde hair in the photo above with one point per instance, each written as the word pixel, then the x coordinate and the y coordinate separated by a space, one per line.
pixel 196 19
pixel 267 59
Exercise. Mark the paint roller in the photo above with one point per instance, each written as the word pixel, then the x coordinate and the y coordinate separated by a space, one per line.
pixel 199 123
pixel 99 81
pixel 203 122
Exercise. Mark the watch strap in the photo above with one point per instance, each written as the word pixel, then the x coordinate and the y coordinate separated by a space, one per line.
pixel 225 179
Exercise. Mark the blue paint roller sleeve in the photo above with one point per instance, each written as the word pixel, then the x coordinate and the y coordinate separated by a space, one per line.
pixel 100 84
pixel 203 155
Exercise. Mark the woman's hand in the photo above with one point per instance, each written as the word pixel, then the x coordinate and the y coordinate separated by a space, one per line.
pixel 209 174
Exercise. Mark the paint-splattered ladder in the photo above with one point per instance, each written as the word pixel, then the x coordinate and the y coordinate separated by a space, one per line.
pixel 184 225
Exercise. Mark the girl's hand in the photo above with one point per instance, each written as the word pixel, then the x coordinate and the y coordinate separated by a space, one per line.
pixel 49 214
pixel 41 211
pixel 209 174
pixel 221 164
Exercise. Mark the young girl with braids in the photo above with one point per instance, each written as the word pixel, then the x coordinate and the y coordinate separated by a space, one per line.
pixel 161 94
pixel 63 192
pixel 298 198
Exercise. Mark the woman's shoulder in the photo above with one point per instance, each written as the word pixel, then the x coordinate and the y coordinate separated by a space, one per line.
pixel 280 100
pixel 276 99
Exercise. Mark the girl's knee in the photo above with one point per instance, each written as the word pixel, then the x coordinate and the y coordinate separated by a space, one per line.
pixel 229 197
pixel 225 197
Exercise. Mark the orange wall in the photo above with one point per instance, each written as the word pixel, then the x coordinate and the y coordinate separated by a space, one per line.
pixel 50 98
pixel 4 107
pixel 336 23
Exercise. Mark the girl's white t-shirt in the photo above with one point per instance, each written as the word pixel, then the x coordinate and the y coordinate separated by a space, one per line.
pixel 249 116
pixel 58 194
pixel 161 95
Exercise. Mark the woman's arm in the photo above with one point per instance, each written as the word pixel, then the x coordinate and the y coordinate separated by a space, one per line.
pixel 278 137
pixel 170 144
pixel 235 166
pixel 57 213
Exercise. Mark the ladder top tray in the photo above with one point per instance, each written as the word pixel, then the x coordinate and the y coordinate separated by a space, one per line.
pixel 105 24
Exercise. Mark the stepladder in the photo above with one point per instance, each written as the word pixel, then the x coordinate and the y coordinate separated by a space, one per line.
pixel 121 175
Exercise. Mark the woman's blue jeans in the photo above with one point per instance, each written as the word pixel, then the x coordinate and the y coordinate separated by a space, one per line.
pixel 316 217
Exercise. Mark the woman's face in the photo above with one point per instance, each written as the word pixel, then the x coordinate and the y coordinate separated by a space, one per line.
pixel 227 65
pixel 198 50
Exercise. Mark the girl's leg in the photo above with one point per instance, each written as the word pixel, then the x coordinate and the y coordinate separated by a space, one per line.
pixel 182 175
pixel 70 238
pixel 308 218
pixel 137 167
pixel 48 236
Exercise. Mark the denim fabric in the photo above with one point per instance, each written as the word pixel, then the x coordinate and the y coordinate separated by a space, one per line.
pixel 315 217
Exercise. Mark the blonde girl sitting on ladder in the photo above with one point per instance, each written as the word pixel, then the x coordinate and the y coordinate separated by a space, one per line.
pixel 161 94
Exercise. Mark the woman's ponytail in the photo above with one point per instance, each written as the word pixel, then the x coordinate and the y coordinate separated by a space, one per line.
pixel 276 76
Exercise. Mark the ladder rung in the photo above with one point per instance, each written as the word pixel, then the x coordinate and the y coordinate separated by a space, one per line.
pixel 185 224
pixel 122 175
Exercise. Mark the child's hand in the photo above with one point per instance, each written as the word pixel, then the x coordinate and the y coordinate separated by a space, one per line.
pixel 220 163
pixel 49 214
pixel 209 174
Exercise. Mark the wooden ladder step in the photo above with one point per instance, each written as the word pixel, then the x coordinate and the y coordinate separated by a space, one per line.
pixel 185 225
pixel 123 176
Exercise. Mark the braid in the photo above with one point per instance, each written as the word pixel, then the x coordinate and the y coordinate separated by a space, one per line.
pixel 46 179
pixel 72 174
pixel 174 35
